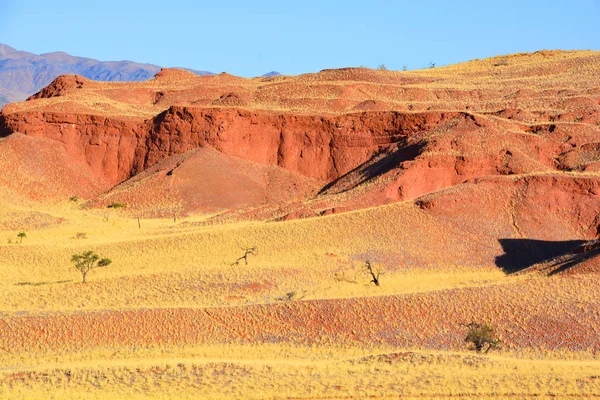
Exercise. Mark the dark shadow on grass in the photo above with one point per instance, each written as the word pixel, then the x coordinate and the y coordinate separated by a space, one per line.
pixel 41 283
pixel 523 253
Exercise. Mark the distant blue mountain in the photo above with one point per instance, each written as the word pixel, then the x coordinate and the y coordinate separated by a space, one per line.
pixel 271 74
pixel 23 74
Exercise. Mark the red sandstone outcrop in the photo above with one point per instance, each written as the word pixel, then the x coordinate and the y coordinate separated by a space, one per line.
pixel 320 147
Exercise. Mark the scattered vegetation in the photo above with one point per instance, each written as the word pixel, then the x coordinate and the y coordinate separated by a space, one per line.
pixel 74 199
pixel 247 251
pixel 382 67
pixel 373 273
pixel 81 235
pixel 146 341
pixel 113 206
pixel 21 235
pixel 481 336
pixel 88 261
pixel 291 296
pixel 116 205
pixel 431 64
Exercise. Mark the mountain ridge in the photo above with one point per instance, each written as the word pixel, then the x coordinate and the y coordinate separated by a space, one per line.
pixel 23 73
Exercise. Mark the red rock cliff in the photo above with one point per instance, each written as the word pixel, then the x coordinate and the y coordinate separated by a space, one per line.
pixel 322 147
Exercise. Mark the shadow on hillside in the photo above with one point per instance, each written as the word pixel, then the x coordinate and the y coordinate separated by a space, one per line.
pixel 379 164
pixel 523 253
pixel 41 283
pixel 573 261
pixel 4 129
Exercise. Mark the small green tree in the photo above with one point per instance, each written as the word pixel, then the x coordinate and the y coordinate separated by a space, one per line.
pixel 21 235
pixel 481 335
pixel 113 206
pixel 87 261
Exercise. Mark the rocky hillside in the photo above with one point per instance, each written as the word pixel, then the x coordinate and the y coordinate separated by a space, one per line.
pixel 347 139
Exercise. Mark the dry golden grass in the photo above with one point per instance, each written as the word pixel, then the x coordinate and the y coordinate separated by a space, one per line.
pixel 535 80
pixel 278 372
pixel 159 322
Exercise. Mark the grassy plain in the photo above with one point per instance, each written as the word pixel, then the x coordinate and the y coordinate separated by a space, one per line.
pixel 172 318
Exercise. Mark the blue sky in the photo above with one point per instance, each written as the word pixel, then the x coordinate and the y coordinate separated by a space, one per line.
pixel 249 38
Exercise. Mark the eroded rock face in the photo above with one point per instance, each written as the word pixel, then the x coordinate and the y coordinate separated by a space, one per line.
pixel 106 145
pixel 320 147
pixel 373 158
pixel 517 206
pixel 59 86
pixel 363 138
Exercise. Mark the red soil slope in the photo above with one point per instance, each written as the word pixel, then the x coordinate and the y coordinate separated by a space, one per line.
pixel 205 179
pixel 39 169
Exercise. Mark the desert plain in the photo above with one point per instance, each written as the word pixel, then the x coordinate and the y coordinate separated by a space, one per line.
pixel 472 190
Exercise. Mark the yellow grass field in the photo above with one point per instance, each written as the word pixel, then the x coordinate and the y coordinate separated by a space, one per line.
pixel 172 318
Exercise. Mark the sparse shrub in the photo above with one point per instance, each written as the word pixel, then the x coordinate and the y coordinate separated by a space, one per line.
pixel 291 296
pixel 21 235
pixel 482 335
pixel 247 251
pixel 87 261
pixel 113 206
pixel 373 273
pixel 404 68
pixel 382 67
pixel 74 199
pixel 431 64
pixel 81 235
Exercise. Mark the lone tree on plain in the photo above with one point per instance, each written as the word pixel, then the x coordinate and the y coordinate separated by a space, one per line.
pixel 88 261
pixel 247 251
pixel 482 335
pixel 21 235
pixel 374 274
pixel 114 206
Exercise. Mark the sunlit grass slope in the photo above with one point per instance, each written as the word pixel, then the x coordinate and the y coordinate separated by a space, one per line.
pixel 173 318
